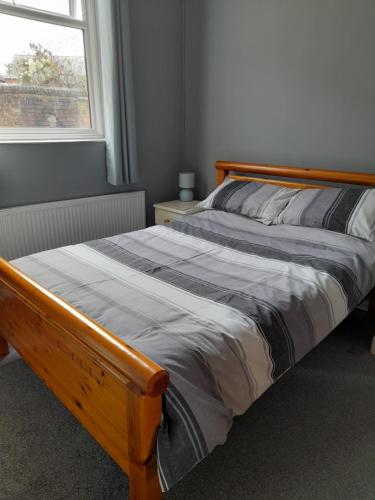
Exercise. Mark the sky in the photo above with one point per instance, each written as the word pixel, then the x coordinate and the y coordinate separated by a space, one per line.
pixel 16 33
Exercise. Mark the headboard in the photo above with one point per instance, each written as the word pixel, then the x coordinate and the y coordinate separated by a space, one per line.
pixel 224 169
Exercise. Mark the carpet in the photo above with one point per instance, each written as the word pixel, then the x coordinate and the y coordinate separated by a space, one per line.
pixel 310 436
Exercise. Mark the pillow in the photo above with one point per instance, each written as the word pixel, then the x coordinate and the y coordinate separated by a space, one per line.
pixel 349 211
pixel 263 202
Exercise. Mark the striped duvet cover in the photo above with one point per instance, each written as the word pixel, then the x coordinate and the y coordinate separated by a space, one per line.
pixel 224 303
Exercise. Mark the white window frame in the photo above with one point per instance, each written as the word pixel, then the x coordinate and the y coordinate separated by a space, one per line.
pixel 88 26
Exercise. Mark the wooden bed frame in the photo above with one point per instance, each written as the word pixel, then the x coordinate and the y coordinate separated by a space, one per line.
pixel 113 390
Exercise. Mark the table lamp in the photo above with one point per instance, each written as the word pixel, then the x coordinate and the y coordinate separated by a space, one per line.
pixel 186 183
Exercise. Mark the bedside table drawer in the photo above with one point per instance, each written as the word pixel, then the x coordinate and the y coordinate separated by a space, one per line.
pixel 165 216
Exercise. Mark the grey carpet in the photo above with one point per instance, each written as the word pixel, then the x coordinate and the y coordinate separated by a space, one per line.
pixel 311 436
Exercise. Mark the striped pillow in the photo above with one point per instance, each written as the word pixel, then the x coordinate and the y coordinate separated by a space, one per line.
pixel 349 211
pixel 263 202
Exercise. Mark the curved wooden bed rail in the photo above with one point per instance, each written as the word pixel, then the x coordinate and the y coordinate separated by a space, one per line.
pixel 223 169
pixel 113 390
pixel 150 378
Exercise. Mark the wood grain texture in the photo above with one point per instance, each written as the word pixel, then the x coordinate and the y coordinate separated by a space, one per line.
pixel 114 391
pixel 288 184
pixel 4 347
pixel 143 372
pixel 223 168
pixel 143 423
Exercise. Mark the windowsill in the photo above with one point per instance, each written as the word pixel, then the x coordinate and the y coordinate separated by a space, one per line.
pixel 52 140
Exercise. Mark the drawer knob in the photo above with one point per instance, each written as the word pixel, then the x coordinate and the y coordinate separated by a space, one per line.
pixel 166 221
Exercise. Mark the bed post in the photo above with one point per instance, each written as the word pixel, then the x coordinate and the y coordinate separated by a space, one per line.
pixel 221 173
pixel 371 312
pixel 4 347
pixel 144 482
pixel 144 414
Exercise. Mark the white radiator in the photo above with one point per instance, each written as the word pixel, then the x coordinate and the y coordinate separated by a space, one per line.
pixel 34 228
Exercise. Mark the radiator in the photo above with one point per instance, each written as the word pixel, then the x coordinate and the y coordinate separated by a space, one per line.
pixel 34 228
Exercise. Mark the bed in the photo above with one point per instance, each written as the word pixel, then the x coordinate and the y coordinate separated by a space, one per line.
pixel 156 339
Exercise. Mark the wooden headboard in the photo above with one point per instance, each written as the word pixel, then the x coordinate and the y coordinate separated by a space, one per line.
pixel 224 169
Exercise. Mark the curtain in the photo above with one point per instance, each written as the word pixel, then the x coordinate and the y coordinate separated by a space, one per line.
pixel 118 90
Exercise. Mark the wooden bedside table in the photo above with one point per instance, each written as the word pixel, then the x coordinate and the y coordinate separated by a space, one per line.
pixel 171 210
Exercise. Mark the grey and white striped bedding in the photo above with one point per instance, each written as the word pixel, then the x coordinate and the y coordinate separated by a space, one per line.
pixel 345 210
pixel 256 200
pixel 225 303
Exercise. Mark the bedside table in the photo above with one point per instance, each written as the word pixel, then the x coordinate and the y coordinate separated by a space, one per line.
pixel 171 210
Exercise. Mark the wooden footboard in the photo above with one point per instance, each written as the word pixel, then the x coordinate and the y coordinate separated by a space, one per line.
pixel 113 390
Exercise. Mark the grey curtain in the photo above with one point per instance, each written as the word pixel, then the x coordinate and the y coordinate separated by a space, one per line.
pixel 118 90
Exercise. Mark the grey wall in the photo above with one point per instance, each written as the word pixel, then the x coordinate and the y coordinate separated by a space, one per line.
pixel 280 81
pixel 32 173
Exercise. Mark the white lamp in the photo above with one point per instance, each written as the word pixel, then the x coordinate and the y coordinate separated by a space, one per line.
pixel 186 182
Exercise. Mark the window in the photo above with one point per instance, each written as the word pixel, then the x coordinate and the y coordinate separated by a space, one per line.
pixel 49 71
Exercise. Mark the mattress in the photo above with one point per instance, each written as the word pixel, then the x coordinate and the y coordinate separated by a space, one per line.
pixel 224 303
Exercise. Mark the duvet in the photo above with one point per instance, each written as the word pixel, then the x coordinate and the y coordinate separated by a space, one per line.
pixel 224 303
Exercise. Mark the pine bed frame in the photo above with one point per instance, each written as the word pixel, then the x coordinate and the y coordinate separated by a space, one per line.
pixel 113 390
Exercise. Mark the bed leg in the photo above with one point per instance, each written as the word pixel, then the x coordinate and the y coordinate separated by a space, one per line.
pixel 144 482
pixel 4 347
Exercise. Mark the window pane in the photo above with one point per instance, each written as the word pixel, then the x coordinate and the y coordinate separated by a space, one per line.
pixel 78 9
pixel 57 6
pixel 43 79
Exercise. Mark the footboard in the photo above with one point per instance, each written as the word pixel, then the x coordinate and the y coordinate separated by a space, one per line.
pixel 114 391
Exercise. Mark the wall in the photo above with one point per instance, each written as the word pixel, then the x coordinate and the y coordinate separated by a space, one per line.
pixel 283 81
pixel 280 81
pixel 32 173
